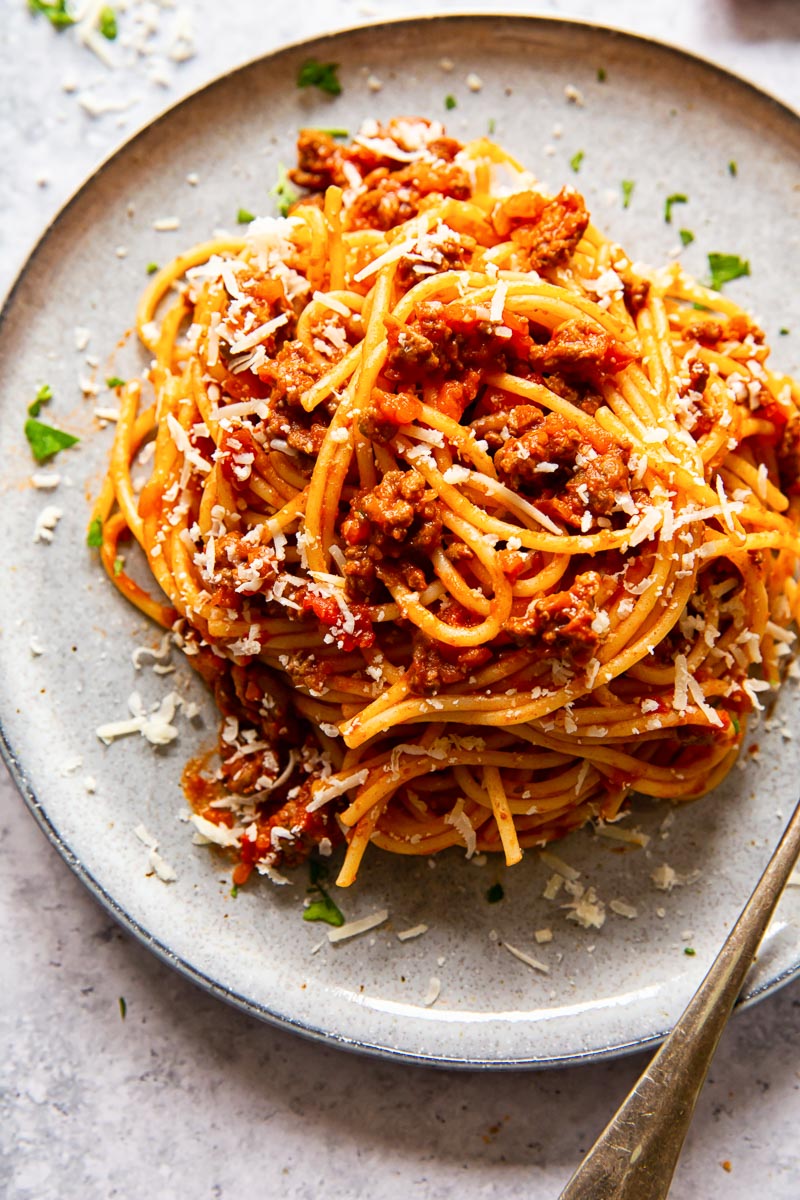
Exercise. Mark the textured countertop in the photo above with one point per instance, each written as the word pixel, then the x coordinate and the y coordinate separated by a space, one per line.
pixel 186 1097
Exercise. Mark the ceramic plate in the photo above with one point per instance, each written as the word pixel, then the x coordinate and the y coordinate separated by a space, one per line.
pixel 639 112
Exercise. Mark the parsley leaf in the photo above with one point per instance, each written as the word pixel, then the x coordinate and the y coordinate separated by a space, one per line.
pixel 491 126
pixel 783 331
pixel 450 102
pixel 244 216
pixel 686 236
pixel 234 891
pixel 725 267
pixel 314 73
pixel 602 75
pixel 323 909
pixel 45 440
pixel 114 381
pixel 94 535
pixel 733 168
pixel 283 191
pixel 675 198
pixel 151 268
pixel 627 186
pixel 44 394
pixel 56 13
pixel 689 951
pixel 495 893
pixel 336 133
pixel 119 566
pixel 107 23
pixel 576 160
pixel 123 1008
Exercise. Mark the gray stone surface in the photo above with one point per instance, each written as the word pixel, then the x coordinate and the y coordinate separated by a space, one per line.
pixel 184 1097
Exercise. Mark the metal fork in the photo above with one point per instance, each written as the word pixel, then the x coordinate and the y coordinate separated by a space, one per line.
pixel 635 1156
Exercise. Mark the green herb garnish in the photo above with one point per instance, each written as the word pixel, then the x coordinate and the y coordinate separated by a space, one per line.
pixel 689 951
pixel 602 75
pixel 670 202
pixel 314 73
pixel 783 331
pixel 123 1008
pixel 56 12
pixel 234 891
pixel 627 186
pixel 151 268
pixel 725 267
pixel 114 381
pixel 321 907
pixel 119 566
pixel 336 133
pixel 107 23
pixel 45 440
pixel 495 893
pixel 491 126
pixel 735 724
pixel 244 216
pixel 450 102
pixel 283 191
pixel 686 236
pixel 732 168
pixel 576 160
pixel 43 396
pixel 94 536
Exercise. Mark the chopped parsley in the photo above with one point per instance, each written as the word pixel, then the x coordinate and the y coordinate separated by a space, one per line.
pixel 495 893
pixel 119 566
pixel 627 186
pixel 44 394
pixel 320 907
pixel 735 724
pixel 576 160
pixel 314 73
pixel 602 75
pixel 45 440
pixel 123 1008
pixel 283 191
pixel 94 536
pixel 733 168
pixel 450 102
pixel 336 133
pixel 686 236
pixel 114 381
pixel 244 216
pixel 491 126
pixel 670 202
pixel 151 268
pixel 107 23
pixel 234 891
pixel 56 12
pixel 689 951
pixel 725 267
pixel 783 331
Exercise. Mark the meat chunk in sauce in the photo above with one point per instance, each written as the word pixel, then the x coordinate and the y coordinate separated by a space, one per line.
pixel 546 232
pixel 563 623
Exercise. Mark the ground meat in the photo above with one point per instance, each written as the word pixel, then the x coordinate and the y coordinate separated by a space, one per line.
pixel 546 231
pixel 635 292
pixel 449 254
pixel 569 490
pixel 302 431
pixel 319 161
pixel 397 519
pixel 435 665
pixel 308 830
pixel 496 428
pixel 562 623
pixel 447 340
pixel 393 197
pixel 291 373
pixel 578 345
pixel 789 457
pixel 712 331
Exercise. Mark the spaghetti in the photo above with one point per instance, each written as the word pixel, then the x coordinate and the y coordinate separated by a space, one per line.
pixel 472 526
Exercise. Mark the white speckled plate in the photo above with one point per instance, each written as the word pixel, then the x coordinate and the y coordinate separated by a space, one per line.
pixel 666 121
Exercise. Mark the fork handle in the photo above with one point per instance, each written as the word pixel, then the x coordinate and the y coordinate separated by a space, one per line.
pixel 635 1156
